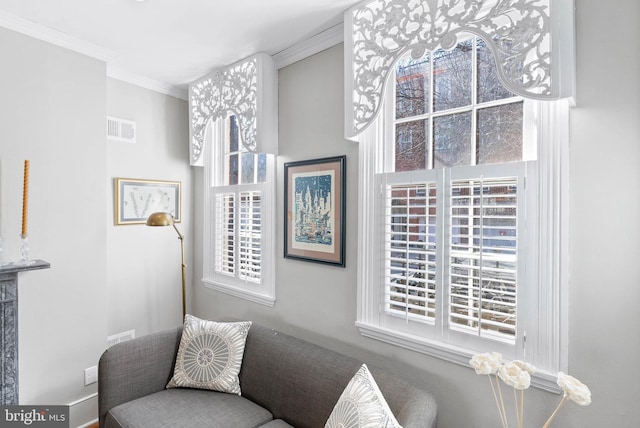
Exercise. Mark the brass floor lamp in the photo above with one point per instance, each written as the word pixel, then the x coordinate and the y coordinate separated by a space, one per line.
pixel 166 219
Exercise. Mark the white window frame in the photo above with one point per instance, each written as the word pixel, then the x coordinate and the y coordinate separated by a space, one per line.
pixel 545 312
pixel 262 292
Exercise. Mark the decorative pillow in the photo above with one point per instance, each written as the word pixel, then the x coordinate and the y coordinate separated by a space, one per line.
pixel 210 355
pixel 362 405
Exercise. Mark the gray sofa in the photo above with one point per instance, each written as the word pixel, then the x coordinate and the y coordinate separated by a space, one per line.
pixel 285 382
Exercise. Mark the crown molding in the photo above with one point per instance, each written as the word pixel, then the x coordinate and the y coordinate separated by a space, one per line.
pixel 63 40
pixel 55 37
pixel 314 44
pixel 147 83
pixel 317 43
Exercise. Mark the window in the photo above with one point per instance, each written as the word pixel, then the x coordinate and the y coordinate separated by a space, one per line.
pixel 456 164
pixel 451 112
pixel 239 259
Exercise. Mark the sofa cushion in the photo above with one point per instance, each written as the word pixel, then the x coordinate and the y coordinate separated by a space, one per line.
pixel 210 355
pixel 296 380
pixel 187 408
pixel 362 405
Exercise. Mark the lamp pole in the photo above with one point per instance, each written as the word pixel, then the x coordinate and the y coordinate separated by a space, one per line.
pixel 184 291
pixel 166 219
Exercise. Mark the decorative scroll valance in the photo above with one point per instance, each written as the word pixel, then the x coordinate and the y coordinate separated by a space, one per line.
pixel 247 90
pixel 532 41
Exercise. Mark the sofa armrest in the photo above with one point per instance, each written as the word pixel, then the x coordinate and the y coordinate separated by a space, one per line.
pixel 412 406
pixel 136 368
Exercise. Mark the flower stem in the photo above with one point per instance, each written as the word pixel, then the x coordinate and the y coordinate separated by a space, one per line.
pixel 515 399
pixel 555 412
pixel 522 408
pixel 502 420
pixel 502 408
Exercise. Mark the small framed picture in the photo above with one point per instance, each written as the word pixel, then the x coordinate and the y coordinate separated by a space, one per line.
pixel 314 207
pixel 136 199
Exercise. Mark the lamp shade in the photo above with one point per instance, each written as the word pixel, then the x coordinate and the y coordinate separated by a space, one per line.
pixel 160 219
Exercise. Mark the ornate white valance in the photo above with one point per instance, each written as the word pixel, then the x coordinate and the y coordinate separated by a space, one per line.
pixel 248 90
pixel 532 40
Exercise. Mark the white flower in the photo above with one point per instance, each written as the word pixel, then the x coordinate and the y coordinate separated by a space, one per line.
pixel 487 363
pixel 529 368
pixel 574 389
pixel 514 376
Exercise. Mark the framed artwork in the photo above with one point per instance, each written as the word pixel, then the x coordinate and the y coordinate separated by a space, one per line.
pixel 314 210
pixel 136 199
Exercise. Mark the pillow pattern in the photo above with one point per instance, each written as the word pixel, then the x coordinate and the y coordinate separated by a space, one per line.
pixel 210 355
pixel 362 405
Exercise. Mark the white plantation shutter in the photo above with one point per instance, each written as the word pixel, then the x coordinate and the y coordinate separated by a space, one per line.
pixel 410 250
pixel 452 257
pixel 238 234
pixel 250 236
pixel 483 273
pixel 225 248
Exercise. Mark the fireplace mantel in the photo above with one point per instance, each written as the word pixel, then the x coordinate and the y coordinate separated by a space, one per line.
pixel 9 327
pixel 21 267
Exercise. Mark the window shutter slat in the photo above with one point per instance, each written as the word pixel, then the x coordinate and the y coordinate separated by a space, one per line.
pixel 225 241
pixel 410 242
pixel 482 273
pixel 250 234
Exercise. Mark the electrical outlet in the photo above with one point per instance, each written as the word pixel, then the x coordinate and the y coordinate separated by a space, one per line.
pixel 90 375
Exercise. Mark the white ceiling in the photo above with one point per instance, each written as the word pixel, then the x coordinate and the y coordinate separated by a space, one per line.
pixel 172 42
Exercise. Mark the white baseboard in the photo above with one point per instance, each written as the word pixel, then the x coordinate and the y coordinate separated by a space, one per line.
pixel 84 411
pixel 95 421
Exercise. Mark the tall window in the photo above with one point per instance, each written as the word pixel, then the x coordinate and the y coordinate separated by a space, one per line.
pixel 451 111
pixel 455 157
pixel 241 237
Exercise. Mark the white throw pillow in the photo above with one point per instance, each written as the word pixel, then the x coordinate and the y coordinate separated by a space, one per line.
pixel 210 355
pixel 362 405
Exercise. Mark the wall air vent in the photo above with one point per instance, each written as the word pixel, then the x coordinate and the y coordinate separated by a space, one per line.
pixel 120 337
pixel 121 130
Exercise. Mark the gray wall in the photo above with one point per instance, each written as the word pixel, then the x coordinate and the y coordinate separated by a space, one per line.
pixel 52 110
pixel 103 279
pixel 319 302
pixel 144 282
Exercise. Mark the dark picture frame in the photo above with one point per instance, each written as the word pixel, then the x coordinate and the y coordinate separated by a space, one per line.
pixel 136 199
pixel 314 210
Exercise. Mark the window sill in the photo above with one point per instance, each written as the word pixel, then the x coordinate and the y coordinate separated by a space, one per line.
pixel 252 296
pixel 541 379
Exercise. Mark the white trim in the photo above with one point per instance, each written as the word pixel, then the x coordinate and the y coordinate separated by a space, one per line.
pixel 55 37
pixel 553 231
pixel 314 44
pixel 249 295
pixel 540 379
pixel 83 399
pixel 147 83
pixel 368 299
pixel 82 409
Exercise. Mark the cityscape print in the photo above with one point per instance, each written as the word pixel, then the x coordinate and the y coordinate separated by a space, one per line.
pixel 313 211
